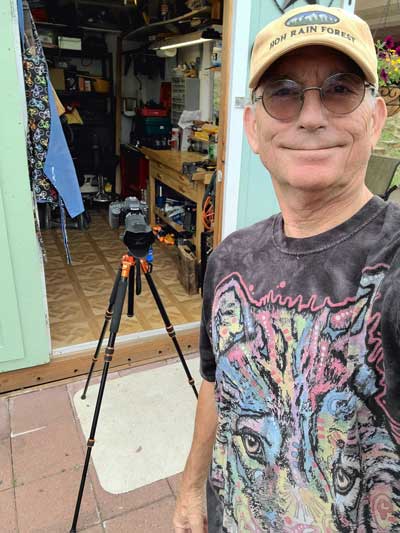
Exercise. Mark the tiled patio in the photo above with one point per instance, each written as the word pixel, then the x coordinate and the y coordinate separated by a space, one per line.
pixel 42 450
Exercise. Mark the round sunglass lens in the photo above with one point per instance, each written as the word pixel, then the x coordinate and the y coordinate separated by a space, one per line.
pixel 282 99
pixel 342 93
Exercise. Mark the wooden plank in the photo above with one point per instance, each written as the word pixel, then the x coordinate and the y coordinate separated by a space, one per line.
pixel 179 183
pixel 177 227
pixel 165 167
pixel 152 193
pixel 173 159
pixel 127 354
pixel 216 10
pixel 223 116
pixel 204 177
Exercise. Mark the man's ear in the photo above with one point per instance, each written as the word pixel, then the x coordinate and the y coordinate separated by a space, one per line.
pixel 378 120
pixel 250 126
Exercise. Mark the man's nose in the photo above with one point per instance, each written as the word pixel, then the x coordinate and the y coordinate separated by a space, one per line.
pixel 313 114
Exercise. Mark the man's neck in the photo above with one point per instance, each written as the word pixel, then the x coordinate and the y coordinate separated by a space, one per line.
pixel 306 215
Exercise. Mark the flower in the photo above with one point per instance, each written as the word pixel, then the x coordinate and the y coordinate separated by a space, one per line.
pixel 388 62
pixel 389 42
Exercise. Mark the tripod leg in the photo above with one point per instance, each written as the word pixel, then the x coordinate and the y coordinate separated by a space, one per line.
pixel 138 279
pixel 107 319
pixel 131 297
pixel 91 440
pixel 119 302
pixel 169 327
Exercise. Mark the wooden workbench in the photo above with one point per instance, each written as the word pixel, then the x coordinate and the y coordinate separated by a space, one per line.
pixel 166 168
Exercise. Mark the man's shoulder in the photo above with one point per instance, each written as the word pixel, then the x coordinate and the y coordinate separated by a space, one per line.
pixel 393 208
pixel 390 230
pixel 246 240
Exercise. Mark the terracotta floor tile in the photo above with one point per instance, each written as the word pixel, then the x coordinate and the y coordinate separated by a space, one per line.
pixel 6 476
pixel 47 505
pixel 4 418
pixel 39 408
pixel 111 505
pixel 47 451
pixel 156 518
pixel 94 529
pixel 8 513
pixel 174 482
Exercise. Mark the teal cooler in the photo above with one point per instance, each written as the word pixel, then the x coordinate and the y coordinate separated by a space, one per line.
pixel 154 132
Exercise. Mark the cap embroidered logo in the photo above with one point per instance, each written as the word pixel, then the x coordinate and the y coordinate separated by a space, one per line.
pixel 311 17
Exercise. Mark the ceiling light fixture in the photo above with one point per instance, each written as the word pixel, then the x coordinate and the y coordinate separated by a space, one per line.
pixel 187 39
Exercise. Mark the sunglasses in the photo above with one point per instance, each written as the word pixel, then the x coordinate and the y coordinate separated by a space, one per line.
pixel 341 94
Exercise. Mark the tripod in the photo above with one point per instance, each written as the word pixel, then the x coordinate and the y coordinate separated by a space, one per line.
pixel 125 278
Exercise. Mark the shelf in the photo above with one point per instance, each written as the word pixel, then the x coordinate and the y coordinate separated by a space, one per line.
pixel 86 28
pixel 158 26
pixel 177 227
pixel 75 94
pixel 64 52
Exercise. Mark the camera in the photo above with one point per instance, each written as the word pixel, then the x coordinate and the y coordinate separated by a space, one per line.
pixel 138 235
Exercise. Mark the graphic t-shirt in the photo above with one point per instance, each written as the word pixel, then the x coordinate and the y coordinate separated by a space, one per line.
pixel 302 337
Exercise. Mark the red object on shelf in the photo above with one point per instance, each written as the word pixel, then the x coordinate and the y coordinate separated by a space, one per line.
pixel 165 95
pixel 134 172
pixel 152 112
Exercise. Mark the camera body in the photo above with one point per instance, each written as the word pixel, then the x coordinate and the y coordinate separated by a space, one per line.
pixel 138 235
pixel 118 211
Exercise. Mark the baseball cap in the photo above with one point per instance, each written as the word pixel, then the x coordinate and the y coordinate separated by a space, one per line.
pixel 314 25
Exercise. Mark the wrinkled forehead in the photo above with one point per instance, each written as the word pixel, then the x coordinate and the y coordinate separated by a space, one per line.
pixel 311 60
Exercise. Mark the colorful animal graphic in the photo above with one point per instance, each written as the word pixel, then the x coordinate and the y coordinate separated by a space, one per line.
pixel 304 442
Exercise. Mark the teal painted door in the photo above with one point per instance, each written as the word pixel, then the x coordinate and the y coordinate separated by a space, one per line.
pixel 24 333
pixel 257 198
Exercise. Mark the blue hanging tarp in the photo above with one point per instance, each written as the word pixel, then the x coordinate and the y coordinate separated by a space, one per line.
pixel 59 167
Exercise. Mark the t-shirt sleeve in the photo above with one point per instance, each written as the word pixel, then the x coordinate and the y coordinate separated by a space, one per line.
pixel 207 357
pixel 391 339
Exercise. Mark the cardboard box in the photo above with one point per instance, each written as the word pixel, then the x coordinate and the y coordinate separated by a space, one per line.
pixel 187 270
pixel 57 78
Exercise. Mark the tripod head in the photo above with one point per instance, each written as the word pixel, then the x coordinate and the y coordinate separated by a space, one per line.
pixel 138 235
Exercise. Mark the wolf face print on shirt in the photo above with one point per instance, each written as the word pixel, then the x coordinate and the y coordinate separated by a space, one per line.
pixel 305 441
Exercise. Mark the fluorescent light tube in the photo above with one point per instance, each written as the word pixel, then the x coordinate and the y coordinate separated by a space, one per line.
pixel 185 43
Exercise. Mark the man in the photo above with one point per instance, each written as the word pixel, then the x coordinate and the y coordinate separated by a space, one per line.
pixel 299 411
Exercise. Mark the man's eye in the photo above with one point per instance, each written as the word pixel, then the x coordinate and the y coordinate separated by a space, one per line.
pixel 253 445
pixel 340 89
pixel 284 92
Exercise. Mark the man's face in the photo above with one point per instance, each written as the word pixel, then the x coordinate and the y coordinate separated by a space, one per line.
pixel 318 149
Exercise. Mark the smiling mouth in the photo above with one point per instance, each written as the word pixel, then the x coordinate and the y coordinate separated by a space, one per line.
pixel 316 149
